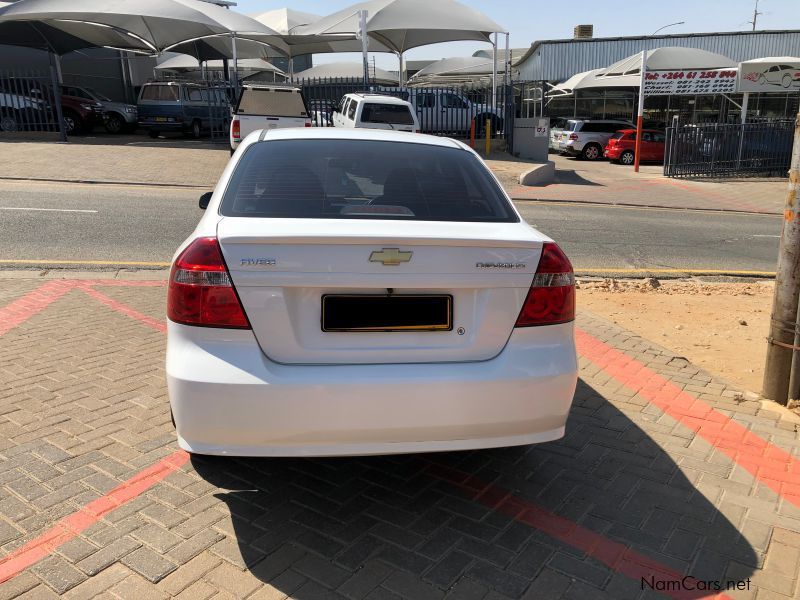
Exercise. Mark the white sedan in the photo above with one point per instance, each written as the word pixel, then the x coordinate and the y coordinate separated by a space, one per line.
pixel 353 292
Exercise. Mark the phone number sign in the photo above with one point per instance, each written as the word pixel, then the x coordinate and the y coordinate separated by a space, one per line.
pixel 696 81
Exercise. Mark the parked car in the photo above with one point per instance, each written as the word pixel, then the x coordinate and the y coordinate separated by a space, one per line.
pixel 267 107
pixel 621 146
pixel 321 112
pixel 374 111
pixel 80 114
pixel 183 107
pixel 19 112
pixel 117 116
pixel 587 137
pixel 353 292
pixel 557 125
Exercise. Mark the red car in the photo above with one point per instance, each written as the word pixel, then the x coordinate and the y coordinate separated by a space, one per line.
pixel 620 147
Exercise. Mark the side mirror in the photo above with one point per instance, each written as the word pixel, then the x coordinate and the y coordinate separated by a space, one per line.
pixel 205 199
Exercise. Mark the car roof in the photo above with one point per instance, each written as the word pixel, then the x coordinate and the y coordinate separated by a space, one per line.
pixel 346 133
pixel 258 86
pixel 385 99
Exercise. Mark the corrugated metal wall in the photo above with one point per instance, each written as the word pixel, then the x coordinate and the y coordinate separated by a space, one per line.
pixel 558 60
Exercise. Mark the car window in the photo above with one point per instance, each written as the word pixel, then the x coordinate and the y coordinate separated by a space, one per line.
pixel 426 100
pixel 618 136
pixel 373 112
pixel 363 179
pixel 572 125
pixel 351 110
pixel 160 92
pixel 589 128
pixel 647 136
pixel 453 101
pixel 195 96
pixel 340 107
pixel 275 103
pixel 659 137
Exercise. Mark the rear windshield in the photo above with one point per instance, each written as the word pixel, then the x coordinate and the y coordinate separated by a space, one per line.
pixel 169 93
pixel 363 179
pixel 386 113
pixel 618 136
pixel 273 103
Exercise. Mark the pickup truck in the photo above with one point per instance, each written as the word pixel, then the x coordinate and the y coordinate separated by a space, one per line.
pixel 267 107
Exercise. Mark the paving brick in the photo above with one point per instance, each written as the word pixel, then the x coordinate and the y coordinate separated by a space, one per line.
pixel 408 586
pixel 366 579
pixel 95 586
pixel 58 574
pixel 108 555
pixel 149 564
pixel 237 582
pixel 190 573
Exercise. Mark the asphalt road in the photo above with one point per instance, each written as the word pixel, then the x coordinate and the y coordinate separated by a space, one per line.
pixel 58 225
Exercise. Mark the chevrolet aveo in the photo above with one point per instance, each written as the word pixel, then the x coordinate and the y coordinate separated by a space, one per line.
pixel 353 292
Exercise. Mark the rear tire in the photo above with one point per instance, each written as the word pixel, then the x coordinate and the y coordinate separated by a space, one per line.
pixel 197 129
pixel 153 133
pixel 592 152
pixel 626 158
pixel 9 122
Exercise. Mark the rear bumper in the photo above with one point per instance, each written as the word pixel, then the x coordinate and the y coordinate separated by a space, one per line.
pixel 612 153
pixel 229 399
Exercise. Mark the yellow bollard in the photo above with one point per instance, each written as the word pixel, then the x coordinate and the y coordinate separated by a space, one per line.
pixel 488 136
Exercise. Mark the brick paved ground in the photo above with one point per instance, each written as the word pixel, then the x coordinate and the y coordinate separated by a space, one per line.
pixel 187 162
pixel 639 487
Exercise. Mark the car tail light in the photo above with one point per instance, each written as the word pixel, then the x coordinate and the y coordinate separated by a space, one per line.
pixel 236 129
pixel 573 136
pixel 551 299
pixel 308 123
pixel 200 289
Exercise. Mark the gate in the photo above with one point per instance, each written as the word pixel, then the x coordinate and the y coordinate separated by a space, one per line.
pixel 716 150
pixel 30 101
pixel 441 110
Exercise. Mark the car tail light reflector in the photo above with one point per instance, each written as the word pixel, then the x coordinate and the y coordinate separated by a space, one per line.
pixel 200 289
pixel 573 136
pixel 236 129
pixel 551 298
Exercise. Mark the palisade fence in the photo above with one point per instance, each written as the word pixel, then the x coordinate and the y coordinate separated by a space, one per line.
pixel 30 101
pixel 441 110
pixel 736 150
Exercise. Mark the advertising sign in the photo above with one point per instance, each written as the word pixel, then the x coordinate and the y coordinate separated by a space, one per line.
pixel 783 75
pixel 690 81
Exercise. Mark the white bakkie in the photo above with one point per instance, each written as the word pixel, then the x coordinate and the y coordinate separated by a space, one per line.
pixel 352 292
pixel 267 107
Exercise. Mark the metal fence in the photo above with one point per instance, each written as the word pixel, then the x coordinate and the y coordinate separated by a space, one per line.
pixel 716 150
pixel 30 101
pixel 441 110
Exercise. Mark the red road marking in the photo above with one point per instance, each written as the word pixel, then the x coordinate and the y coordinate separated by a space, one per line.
pixel 616 556
pixel 70 526
pixel 20 310
pixel 770 465
pixel 124 309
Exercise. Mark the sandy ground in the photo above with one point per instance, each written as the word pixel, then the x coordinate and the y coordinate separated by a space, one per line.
pixel 721 327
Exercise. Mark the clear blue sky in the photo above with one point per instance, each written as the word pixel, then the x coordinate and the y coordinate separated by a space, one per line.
pixel 529 20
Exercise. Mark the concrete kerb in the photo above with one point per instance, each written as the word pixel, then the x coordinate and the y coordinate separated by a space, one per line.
pixel 541 174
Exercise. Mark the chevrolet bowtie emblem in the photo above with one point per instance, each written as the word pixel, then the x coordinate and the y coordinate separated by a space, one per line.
pixel 390 256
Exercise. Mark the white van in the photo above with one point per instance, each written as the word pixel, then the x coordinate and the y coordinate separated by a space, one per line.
pixel 373 111
pixel 267 107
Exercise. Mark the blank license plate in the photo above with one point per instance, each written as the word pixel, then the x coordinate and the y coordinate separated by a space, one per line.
pixel 365 312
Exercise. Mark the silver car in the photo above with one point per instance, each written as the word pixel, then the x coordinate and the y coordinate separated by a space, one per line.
pixel 117 116
pixel 588 137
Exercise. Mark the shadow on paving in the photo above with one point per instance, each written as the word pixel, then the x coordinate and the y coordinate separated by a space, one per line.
pixel 570 177
pixel 392 516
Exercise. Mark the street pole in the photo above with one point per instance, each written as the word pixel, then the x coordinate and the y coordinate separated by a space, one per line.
pixel 640 112
pixel 362 28
pixel 783 322
pixel 494 72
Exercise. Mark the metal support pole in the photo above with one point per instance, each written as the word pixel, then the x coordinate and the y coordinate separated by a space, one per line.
pixel 745 100
pixel 494 71
pixel 56 82
pixel 362 29
pixel 508 100
pixel 781 338
pixel 640 113
pixel 235 64
pixel 400 78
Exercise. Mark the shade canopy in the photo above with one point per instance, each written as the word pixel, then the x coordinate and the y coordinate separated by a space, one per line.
pixel 669 57
pixel 183 63
pixel 565 88
pixel 219 47
pixel 346 70
pixel 400 25
pixel 285 20
pixel 462 68
pixel 155 24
